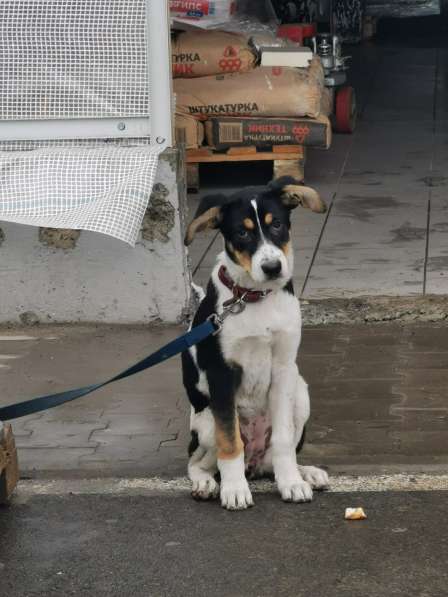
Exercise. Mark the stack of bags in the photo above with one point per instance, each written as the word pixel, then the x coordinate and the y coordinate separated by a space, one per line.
pixel 224 99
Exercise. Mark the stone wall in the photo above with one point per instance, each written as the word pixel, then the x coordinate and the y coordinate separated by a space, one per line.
pixel 54 275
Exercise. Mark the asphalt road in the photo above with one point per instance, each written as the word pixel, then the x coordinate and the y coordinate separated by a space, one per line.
pixel 169 545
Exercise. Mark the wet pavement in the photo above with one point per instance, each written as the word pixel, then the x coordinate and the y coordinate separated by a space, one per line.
pixel 378 396
pixel 169 546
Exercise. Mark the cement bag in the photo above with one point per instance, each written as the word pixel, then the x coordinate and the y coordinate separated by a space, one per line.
pixel 202 9
pixel 203 53
pixel 288 92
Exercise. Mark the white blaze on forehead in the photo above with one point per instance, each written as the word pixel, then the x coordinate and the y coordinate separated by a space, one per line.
pixel 255 206
pixel 266 251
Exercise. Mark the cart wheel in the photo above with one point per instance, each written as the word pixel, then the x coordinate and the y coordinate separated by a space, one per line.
pixel 345 110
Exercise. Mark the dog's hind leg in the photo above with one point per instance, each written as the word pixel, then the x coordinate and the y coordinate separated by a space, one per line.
pixel 316 477
pixel 202 465
pixel 201 470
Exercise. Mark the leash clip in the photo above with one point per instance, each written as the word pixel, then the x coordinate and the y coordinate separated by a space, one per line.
pixel 217 322
pixel 233 306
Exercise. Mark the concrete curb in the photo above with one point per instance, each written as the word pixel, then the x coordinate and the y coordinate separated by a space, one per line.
pixel 379 309
pixel 156 485
pixel 352 311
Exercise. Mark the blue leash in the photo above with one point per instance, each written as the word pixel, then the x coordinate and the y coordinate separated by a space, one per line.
pixel 173 348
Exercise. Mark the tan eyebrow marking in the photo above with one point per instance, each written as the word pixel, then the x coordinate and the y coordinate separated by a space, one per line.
pixel 243 258
pixel 268 219
pixel 248 223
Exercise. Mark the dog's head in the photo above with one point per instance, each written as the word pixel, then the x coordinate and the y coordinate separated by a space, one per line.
pixel 255 224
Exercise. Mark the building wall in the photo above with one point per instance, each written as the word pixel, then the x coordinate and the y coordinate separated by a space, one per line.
pixel 51 275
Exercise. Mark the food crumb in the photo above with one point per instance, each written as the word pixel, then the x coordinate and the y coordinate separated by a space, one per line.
pixel 355 514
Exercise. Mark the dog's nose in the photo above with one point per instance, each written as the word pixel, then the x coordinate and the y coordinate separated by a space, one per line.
pixel 272 269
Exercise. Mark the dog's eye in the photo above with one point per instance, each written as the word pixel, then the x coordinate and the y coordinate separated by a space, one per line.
pixel 243 233
pixel 276 224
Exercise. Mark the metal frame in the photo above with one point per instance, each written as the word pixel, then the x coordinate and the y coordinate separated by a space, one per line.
pixel 159 69
pixel 158 126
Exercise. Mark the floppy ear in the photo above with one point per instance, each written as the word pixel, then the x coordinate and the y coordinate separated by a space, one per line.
pixel 293 195
pixel 208 215
pixel 206 220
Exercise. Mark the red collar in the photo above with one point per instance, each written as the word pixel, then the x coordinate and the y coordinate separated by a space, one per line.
pixel 247 294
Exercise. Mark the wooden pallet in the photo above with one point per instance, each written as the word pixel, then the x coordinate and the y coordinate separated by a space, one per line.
pixel 288 160
pixel 9 467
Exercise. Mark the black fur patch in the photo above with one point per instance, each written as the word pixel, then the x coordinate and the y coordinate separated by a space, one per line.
pixel 302 441
pixel 194 443
pixel 223 378
pixel 190 375
pixel 289 287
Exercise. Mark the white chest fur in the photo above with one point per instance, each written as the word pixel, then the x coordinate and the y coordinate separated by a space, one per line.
pixel 251 339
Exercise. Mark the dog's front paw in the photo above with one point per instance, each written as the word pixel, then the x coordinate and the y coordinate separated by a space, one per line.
pixel 205 489
pixel 316 477
pixel 295 490
pixel 236 496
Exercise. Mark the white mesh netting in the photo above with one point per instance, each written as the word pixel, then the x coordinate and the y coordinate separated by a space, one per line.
pixel 101 189
pixel 75 59
pixel 72 59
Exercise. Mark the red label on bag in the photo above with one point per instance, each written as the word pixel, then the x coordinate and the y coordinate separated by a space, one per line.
pixel 230 63
pixel 267 129
pixel 183 70
pixel 300 133
pixel 230 52
pixel 198 7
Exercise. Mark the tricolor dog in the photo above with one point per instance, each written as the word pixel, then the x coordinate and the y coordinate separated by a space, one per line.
pixel 249 402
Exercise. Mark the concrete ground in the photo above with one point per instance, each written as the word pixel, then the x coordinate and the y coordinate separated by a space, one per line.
pixel 103 505
pixel 167 545
pixel 378 400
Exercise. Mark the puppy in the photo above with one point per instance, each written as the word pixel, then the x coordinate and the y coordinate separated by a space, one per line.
pixel 249 402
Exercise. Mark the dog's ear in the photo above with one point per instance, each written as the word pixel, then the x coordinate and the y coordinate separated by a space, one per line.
pixel 293 194
pixel 207 220
pixel 208 216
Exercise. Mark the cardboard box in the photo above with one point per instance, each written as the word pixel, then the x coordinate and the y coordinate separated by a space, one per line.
pixel 204 53
pixel 189 131
pixel 222 133
pixel 279 92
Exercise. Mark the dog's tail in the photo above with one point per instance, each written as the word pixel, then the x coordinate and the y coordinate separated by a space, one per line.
pixel 196 298
pixel 198 293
